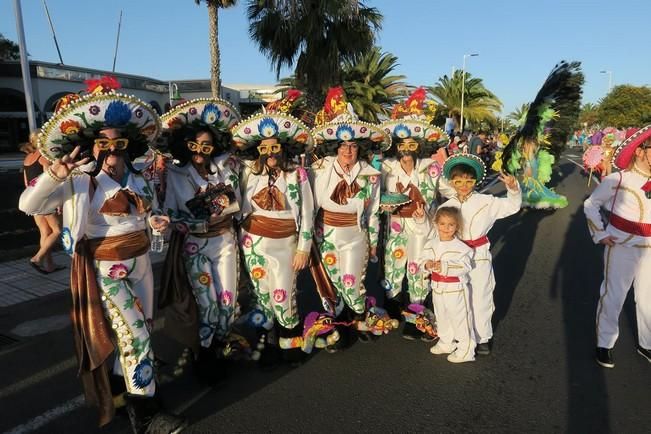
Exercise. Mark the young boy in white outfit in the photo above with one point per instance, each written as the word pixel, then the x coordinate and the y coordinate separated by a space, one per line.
pixel 479 212
pixel 448 260
pixel 627 237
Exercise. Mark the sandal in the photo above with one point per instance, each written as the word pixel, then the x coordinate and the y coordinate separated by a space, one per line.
pixel 38 268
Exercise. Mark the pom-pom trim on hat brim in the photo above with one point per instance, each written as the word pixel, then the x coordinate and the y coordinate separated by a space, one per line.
pixel 418 130
pixel 47 143
pixel 372 132
pixel 468 159
pixel 180 112
pixel 246 134
pixel 625 152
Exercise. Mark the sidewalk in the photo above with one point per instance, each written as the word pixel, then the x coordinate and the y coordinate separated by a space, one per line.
pixel 19 282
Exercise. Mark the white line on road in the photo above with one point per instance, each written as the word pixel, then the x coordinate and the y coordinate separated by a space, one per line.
pixel 38 377
pixel 595 177
pixel 48 416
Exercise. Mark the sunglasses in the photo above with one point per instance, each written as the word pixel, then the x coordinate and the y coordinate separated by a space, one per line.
pixel 462 182
pixel 408 146
pixel 200 148
pixel 104 144
pixel 269 149
pixel 349 146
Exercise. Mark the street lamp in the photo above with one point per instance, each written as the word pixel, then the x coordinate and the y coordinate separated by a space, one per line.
pixel 463 85
pixel 610 78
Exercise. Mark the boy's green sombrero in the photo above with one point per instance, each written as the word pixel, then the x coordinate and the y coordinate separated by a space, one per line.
pixel 469 160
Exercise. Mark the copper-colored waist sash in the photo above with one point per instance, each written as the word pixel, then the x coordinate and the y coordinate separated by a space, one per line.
pixel 339 219
pixel 269 227
pixel 119 247
pixel 216 229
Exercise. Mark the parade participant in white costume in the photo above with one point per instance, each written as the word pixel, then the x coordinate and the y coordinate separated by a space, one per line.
pixel 409 173
pixel 347 198
pixel 627 237
pixel 107 212
pixel 479 213
pixel 201 198
pixel 277 220
pixel 449 261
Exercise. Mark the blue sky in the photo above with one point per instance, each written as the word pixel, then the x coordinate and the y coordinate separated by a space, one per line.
pixel 518 41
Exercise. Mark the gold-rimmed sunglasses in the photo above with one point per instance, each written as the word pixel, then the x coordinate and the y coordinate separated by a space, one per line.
pixel 200 148
pixel 462 182
pixel 269 149
pixel 104 144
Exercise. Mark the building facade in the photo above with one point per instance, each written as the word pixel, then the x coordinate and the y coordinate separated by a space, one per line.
pixel 51 81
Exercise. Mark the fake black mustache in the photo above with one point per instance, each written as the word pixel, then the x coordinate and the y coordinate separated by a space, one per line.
pixel 102 156
pixel 206 162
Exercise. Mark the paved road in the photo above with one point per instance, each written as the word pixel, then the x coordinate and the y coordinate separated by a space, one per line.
pixel 540 378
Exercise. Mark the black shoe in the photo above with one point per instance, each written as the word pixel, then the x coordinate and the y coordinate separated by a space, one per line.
pixel 605 357
pixel 410 332
pixel 207 367
pixel 426 337
pixel 393 306
pixel 483 349
pixel 644 353
pixel 270 357
pixel 147 417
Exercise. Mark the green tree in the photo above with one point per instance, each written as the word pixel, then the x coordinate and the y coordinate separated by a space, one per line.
pixel 8 49
pixel 626 106
pixel 519 113
pixel 314 37
pixel 213 40
pixel 480 104
pixel 589 114
pixel 370 86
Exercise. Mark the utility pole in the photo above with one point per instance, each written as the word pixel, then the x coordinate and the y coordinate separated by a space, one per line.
pixel 24 66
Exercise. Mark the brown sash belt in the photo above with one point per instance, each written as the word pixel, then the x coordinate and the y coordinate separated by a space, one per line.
pixel 217 229
pixel 269 227
pixel 119 247
pixel 339 219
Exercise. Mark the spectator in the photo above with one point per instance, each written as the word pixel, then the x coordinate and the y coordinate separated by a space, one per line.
pixel 477 143
pixel 49 225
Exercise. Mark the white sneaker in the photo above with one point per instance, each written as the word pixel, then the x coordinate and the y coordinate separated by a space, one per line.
pixel 441 348
pixel 456 357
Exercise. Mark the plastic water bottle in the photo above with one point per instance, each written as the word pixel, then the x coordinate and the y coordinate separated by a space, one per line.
pixel 157 241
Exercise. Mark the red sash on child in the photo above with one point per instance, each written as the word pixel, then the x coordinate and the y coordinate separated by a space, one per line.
pixel 476 243
pixel 630 227
pixel 436 277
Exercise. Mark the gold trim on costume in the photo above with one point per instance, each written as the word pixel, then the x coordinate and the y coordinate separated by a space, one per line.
pixel 473 219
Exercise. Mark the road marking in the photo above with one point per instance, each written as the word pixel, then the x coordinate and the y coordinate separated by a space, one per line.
pixel 594 176
pixel 38 377
pixel 47 417
pixel 490 184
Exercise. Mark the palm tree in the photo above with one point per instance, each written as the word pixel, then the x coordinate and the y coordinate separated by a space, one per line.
pixel 314 36
pixel 213 32
pixel 519 113
pixel 480 104
pixel 369 85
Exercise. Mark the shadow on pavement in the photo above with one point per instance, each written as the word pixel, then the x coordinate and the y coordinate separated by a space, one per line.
pixel 578 275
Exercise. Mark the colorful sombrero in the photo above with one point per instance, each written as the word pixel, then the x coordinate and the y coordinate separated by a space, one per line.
pixel 419 130
pixel 275 121
pixel 213 113
pixel 337 122
pixel 626 150
pixel 79 119
pixel 468 159
pixel 202 112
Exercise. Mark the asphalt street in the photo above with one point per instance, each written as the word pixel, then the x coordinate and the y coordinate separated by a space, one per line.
pixel 541 376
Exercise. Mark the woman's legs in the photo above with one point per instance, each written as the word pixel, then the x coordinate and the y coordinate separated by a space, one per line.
pixel 49 228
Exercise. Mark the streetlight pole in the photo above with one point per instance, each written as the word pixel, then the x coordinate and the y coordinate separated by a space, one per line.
pixel 610 78
pixel 24 66
pixel 463 85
